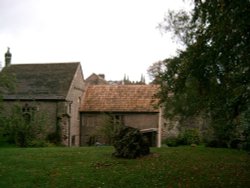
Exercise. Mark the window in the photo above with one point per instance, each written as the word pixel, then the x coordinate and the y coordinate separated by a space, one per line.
pixel 117 119
pixel 28 112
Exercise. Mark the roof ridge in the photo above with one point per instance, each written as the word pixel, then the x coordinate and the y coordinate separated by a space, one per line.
pixel 51 63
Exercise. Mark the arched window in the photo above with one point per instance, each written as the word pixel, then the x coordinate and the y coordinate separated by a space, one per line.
pixel 28 113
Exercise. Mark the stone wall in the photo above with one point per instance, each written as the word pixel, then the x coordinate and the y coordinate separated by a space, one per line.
pixel 170 128
pixel 173 127
pixel 91 123
pixel 74 99
pixel 47 109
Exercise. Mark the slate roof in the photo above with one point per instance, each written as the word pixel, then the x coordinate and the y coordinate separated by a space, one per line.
pixel 120 98
pixel 50 81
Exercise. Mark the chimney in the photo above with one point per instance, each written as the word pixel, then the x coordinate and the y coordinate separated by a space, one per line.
pixel 8 58
pixel 102 76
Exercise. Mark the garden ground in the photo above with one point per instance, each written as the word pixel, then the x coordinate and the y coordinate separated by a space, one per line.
pixel 95 167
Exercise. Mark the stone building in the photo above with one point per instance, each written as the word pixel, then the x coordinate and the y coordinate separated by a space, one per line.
pixel 76 107
pixel 52 89
pixel 130 105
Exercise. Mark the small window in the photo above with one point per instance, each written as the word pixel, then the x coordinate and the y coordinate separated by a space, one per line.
pixel 117 119
pixel 28 113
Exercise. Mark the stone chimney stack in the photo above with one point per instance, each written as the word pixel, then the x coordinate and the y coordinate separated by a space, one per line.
pixel 102 76
pixel 8 58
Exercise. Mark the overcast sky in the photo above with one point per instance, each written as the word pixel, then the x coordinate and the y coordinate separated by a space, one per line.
pixel 113 37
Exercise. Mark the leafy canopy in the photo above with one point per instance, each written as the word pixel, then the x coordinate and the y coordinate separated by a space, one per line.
pixel 212 75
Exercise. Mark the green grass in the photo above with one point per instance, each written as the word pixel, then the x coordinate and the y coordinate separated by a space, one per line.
pixel 95 167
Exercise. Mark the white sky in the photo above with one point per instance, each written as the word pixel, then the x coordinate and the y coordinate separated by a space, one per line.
pixel 113 37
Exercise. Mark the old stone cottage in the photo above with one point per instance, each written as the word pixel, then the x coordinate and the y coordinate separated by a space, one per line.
pixel 53 89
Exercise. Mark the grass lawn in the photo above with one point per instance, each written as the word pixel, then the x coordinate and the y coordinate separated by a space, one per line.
pixel 95 167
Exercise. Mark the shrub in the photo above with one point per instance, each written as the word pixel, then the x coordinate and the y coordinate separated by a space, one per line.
pixel 190 136
pixel 18 130
pixel 130 143
pixel 38 143
pixel 54 138
pixel 246 134
pixel 108 129
pixel 236 144
pixel 172 141
pixel 247 144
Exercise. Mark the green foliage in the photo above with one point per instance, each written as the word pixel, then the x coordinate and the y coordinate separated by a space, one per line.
pixel 155 71
pixel 109 128
pixel 21 130
pixel 190 136
pixel 171 141
pixel 234 135
pixel 211 75
pixel 246 129
pixel 39 143
pixel 187 137
pixel 7 82
pixel 55 137
pixel 130 143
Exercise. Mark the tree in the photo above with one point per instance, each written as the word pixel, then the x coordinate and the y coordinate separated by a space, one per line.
pixel 23 129
pixel 111 125
pixel 18 128
pixel 6 82
pixel 212 75
pixel 155 71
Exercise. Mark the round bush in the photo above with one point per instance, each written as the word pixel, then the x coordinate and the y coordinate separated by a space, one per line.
pixel 191 136
pixel 171 142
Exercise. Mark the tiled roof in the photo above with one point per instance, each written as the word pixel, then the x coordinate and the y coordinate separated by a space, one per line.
pixel 41 81
pixel 120 98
